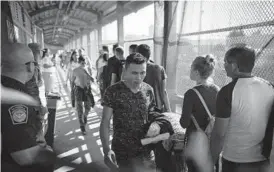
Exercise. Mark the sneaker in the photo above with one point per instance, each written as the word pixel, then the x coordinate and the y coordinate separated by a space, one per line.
pixel 83 129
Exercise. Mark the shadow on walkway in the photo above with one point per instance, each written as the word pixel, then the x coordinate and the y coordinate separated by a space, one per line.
pixel 76 152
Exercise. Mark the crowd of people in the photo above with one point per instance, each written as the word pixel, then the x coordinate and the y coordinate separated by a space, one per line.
pixel 240 114
pixel 134 95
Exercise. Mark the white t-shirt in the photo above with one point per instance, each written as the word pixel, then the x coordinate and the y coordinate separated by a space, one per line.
pixel 247 102
pixel 47 60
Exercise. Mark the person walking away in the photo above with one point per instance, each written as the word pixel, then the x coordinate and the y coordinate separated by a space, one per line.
pixel 156 77
pixel 81 82
pixel 118 66
pixel 112 61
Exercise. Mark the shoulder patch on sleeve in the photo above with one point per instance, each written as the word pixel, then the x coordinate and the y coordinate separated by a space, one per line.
pixel 18 114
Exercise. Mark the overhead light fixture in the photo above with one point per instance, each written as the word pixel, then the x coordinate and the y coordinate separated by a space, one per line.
pixel 59 29
pixel 57 36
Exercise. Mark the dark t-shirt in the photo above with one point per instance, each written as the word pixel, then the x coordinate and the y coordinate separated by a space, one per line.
pixel 154 76
pixel 130 113
pixel 111 68
pixel 17 126
pixel 193 106
pixel 118 69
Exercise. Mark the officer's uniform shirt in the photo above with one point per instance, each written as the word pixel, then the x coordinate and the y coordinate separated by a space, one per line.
pixel 17 127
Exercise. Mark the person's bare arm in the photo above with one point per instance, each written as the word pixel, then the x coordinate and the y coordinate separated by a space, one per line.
pixel 165 96
pixel 104 128
pixel 223 113
pixel 217 137
pixel 68 72
pixel 113 78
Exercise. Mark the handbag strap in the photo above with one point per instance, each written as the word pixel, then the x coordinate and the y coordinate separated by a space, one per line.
pixel 203 102
pixel 195 122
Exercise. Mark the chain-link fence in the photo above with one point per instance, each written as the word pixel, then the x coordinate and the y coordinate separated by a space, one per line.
pixel 212 27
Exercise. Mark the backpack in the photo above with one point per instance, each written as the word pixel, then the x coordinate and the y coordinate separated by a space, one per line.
pixel 210 125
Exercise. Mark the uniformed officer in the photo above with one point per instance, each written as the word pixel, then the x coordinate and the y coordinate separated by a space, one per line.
pixel 20 151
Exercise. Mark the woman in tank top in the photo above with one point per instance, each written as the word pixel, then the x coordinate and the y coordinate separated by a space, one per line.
pixel 201 71
pixel 48 70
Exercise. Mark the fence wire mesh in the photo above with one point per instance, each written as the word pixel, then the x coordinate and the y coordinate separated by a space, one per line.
pixel 212 27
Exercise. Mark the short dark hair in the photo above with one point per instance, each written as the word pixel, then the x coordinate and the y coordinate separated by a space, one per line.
pixel 243 56
pixel 119 50
pixel 144 49
pixel 105 48
pixel 135 58
pixel 133 47
pixel 115 46
pixel 81 59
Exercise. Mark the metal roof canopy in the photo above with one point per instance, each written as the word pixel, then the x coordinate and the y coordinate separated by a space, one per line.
pixel 66 18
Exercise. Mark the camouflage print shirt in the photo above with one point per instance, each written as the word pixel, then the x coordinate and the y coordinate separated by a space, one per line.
pixel 130 113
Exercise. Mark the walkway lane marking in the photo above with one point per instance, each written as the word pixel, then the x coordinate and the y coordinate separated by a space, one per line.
pixel 69 153
pixel 64 169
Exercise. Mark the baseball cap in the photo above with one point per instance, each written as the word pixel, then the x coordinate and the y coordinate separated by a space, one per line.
pixel 14 54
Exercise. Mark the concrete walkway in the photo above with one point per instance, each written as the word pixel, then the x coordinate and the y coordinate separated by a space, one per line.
pixel 76 152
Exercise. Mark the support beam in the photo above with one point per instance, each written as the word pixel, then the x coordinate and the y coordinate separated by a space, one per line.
pixel 32 5
pixel 99 21
pixel 72 27
pixel 59 34
pixel 47 37
pixel 81 38
pixel 75 4
pixel 72 32
pixel 55 6
pixel 57 18
pixel 88 45
pixel 169 58
pixel 120 23
pixel 54 17
pixel 44 9
pixel 89 10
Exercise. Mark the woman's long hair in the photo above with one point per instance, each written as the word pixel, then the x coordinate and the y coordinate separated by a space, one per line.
pixel 105 57
pixel 71 57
